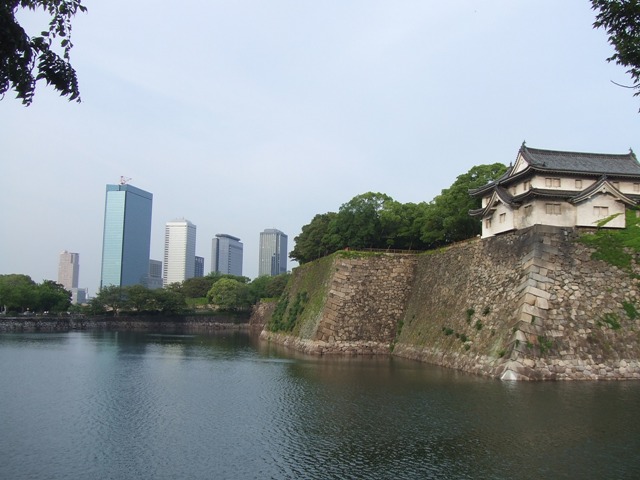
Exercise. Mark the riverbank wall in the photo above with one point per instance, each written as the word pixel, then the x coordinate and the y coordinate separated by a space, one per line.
pixel 527 305
pixel 187 324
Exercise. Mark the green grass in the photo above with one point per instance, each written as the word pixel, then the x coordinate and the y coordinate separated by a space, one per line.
pixel 612 320
pixel 610 244
pixel 630 310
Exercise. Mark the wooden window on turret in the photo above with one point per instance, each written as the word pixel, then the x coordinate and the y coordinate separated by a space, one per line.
pixel 527 185
pixel 552 182
pixel 554 209
pixel 579 184
pixel 636 187
pixel 487 223
pixel 528 210
pixel 503 217
pixel 601 212
pixel 616 185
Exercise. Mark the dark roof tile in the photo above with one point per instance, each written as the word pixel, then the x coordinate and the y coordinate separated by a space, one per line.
pixel 599 163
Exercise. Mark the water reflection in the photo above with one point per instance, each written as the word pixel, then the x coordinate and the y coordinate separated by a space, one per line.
pixel 138 405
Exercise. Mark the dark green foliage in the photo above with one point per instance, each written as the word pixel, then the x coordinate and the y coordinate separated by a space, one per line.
pixel 277 322
pixel 375 220
pixel 612 320
pixel 621 20
pixel 478 325
pixel 19 293
pixel 21 54
pixel 463 338
pixel 447 217
pixel 316 239
pixel 276 285
pixel 285 315
pixel 136 299
pixel 486 311
pixel 610 244
pixel 198 287
pixel 268 287
pixel 470 312
pixel 229 294
pixel 544 343
pixel 447 331
pixel 631 310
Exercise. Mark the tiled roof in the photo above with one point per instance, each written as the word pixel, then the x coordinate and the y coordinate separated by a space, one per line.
pixel 598 163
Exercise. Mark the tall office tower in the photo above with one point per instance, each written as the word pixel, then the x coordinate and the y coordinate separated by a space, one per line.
pixel 226 254
pixel 273 252
pixel 199 267
pixel 127 235
pixel 69 270
pixel 154 280
pixel 179 251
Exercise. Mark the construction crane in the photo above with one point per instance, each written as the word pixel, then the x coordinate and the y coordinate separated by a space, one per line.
pixel 124 180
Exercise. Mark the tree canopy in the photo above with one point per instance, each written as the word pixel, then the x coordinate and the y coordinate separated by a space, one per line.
pixel 621 20
pixel 375 220
pixel 19 293
pixel 21 54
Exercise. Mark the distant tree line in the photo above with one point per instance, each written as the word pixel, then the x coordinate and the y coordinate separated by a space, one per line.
pixel 20 294
pixel 222 292
pixel 375 220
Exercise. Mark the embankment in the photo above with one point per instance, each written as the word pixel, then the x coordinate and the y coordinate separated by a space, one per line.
pixel 529 305
pixel 193 324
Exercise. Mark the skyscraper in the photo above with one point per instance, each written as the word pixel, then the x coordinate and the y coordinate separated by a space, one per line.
pixel 226 254
pixel 154 280
pixel 273 252
pixel 198 270
pixel 179 251
pixel 69 270
pixel 127 235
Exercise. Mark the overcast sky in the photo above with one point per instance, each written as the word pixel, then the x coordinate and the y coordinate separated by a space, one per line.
pixel 245 115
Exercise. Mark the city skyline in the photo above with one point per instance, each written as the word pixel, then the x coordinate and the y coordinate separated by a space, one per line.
pixel 306 108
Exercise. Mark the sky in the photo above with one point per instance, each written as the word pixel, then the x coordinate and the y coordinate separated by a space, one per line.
pixel 242 115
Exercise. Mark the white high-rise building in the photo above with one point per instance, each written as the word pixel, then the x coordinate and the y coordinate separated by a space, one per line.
pixel 226 254
pixel 273 252
pixel 69 270
pixel 179 251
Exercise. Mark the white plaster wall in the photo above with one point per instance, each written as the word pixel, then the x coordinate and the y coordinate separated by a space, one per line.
pixel 587 218
pixel 565 183
pixel 496 225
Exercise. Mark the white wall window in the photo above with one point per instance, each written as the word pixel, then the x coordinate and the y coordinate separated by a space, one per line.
pixel 528 210
pixel 636 187
pixel 601 211
pixel 503 217
pixel 487 223
pixel 578 183
pixel 527 185
pixel 616 185
pixel 552 182
pixel 553 209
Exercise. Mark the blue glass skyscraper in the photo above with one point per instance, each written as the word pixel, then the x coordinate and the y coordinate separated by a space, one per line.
pixel 127 236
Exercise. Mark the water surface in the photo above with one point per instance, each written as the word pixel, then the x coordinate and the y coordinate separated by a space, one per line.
pixel 110 405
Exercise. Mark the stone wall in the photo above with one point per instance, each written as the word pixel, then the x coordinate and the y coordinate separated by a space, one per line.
pixel 358 307
pixel 196 323
pixel 526 305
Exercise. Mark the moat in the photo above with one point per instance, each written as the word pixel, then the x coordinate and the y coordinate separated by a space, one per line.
pixel 117 405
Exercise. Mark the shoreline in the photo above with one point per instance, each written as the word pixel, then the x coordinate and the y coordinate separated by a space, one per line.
pixel 126 323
